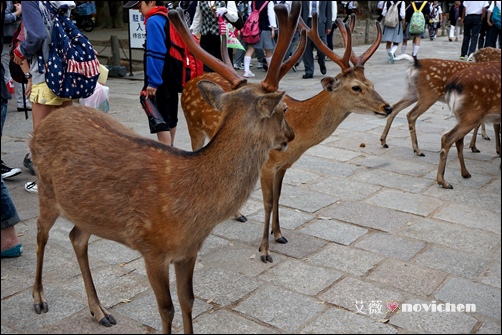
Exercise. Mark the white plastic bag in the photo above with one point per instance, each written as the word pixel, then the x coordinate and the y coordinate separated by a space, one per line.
pixel 99 99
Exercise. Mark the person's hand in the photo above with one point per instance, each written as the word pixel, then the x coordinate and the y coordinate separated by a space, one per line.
pixel 18 60
pixel 18 9
pixel 28 89
pixel 272 33
pixel 151 91
pixel 221 11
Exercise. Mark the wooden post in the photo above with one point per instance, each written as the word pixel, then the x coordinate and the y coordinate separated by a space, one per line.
pixel 115 50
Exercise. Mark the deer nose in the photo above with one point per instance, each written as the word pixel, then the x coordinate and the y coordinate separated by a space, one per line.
pixel 388 109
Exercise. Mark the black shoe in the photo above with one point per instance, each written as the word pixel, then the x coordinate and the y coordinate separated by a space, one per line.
pixel 28 163
pixel 265 67
pixel 323 69
pixel 308 76
pixel 8 172
pixel 294 68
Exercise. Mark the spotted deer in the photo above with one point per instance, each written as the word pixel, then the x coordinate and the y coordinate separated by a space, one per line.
pixel 313 120
pixel 426 80
pixel 157 199
pixel 473 95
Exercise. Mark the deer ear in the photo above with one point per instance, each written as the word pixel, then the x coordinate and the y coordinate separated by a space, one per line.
pixel 268 103
pixel 211 92
pixel 330 84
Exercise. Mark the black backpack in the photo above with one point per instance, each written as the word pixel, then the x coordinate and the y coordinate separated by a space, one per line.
pixel 15 70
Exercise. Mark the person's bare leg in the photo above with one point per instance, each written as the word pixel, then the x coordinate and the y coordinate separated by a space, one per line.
pixel 9 238
pixel 173 133
pixel 164 137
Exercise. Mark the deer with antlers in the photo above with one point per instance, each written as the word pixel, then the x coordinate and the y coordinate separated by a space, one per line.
pixel 473 95
pixel 313 120
pixel 134 201
pixel 426 85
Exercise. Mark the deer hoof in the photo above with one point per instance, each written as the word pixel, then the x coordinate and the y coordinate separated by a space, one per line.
pixel 267 258
pixel 467 175
pixel 385 146
pixel 107 321
pixel 476 150
pixel 421 154
pixel 41 307
pixel 282 240
pixel 241 218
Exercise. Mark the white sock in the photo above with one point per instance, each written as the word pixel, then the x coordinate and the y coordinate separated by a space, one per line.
pixel 403 48
pixel 388 50
pixel 415 49
pixel 247 61
pixel 268 59
pixel 394 49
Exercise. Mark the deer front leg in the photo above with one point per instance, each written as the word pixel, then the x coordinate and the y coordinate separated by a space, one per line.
pixel 46 219
pixel 420 108
pixel 157 269
pixel 184 282
pixel 398 107
pixel 266 180
pixel 484 135
pixel 443 155
pixel 460 152
pixel 80 242
pixel 276 227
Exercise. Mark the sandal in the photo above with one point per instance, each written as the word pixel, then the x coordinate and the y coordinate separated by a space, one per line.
pixel 13 252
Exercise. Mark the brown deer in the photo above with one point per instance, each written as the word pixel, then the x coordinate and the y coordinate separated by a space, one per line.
pixel 426 85
pixel 473 95
pixel 313 120
pixel 113 183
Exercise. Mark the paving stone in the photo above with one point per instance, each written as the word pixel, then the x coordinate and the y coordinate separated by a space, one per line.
pixel 392 180
pixel 324 166
pixel 394 165
pixel 337 321
pixel 344 188
pixel 452 235
pixel 299 245
pixel 406 202
pixel 472 217
pixel 489 328
pixel 348 259
pixel 452 261
pixel 226 322
pixel 367 215
pixel 248 232
pixel 357 295
pixel 221 286
pixel 465 195
pixel 335 231
pixel 433 322
pixel 289 218
pixel 337 154
pixel 297 177
pixel 390 245
pixel 492 275
pixel 408 277
pixel 287 310
pixel 301 276
pixel 305 199
pixel 462 291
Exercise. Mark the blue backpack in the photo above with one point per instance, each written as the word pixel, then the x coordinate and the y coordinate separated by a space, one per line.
pixel 72 69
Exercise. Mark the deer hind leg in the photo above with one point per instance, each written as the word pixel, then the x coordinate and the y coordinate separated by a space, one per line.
pixel 80 242
pixel 472 144
pixel 184 282
pixel 496 129
pixel 412 116
pixel 46 219
pixel 398 107
pixel 456 135
pixel 157 269
pixel 483 132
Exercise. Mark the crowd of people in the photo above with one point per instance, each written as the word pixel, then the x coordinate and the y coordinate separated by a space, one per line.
pixel 203 18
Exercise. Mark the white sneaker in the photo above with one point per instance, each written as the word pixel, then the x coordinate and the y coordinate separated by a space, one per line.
pixel 31 187
pixel 248 74
pixel 391 57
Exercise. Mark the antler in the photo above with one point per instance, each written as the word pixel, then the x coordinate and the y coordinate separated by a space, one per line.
pixel 346 32
pixel 224 69
pixel 359 61
pixel 287 28
pixel 313 34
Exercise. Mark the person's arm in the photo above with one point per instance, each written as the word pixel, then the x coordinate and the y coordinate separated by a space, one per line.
pixel 271 18
pixel 197 21
pixel 35 32
pixel 155 52
pixel 231 14
pixel 463 15
pixel 13 16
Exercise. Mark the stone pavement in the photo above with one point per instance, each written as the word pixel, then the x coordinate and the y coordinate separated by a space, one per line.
pixel 368 230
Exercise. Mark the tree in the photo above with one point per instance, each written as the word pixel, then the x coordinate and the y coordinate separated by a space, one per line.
pixel 104 17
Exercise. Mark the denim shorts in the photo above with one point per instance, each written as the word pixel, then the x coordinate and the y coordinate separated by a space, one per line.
pixel 9 212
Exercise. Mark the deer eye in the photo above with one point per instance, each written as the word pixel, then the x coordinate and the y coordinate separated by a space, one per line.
pixel 285 109
pixel 356 88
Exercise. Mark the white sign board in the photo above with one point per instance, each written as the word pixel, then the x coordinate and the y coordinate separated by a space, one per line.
pixel 137 32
